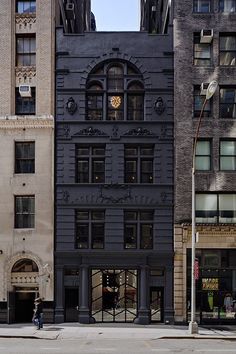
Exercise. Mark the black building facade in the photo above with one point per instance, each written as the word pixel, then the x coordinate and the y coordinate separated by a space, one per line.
pixel 114 177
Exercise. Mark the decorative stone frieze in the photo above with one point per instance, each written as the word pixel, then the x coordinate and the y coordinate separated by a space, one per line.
pixel 25 23
pixel 32 122
pixel 25 75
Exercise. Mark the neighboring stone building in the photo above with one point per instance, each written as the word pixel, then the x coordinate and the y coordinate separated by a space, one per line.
pixel 26 157
pixel 205 50
pixel 114 169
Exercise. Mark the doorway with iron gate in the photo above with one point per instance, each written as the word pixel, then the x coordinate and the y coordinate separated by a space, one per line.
pixel 114 295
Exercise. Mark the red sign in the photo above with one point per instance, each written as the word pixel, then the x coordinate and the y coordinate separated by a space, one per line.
pixel 196 269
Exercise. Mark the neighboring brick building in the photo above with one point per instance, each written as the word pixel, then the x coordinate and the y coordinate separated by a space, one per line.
pixel 26 157
pixel 205 50
pixel 114 170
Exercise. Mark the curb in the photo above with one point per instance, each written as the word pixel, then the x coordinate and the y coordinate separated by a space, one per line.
pixel 228 338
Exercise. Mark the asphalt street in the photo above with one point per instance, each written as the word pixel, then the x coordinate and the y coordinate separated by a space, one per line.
pixel 125 346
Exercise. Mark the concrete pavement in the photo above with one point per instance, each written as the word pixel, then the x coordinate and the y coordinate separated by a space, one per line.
pixel 113 331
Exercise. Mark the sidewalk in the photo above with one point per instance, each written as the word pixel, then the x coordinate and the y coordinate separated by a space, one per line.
pixel 113 331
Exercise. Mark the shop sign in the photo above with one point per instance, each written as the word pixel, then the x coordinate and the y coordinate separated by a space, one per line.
pixel 210 284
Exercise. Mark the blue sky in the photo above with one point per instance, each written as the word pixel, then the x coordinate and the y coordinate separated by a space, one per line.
pixel 116 15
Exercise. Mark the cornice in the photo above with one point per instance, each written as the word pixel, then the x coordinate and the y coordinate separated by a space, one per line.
pixel 15 122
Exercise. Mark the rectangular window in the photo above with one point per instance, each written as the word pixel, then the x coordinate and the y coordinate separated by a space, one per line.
pixel 90 229
pixel 227 5
pixel 25 50
pixel 24 157
pixel 228 102
pixel 227 50
pixel 25 105
pixel 228 155
pixel 201 5
pixel 90 164
pixel 216 208
pixel 24 6
pixel 24 212
pixel 203 155
pixel 227 208
pixel 198 103
pixel 202 52
pixel 138 164
pixel 138 229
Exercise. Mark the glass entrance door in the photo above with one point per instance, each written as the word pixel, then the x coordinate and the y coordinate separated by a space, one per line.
pixel 114 295
pixel 156 304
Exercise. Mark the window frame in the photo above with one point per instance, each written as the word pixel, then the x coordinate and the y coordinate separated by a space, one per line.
pixel 25 102
pixel 91 158
pixel 227 51
pixel 28 214
pixel 90 222
pixel 207 113
pixel 31 2
pixel 208 140
pixel 31 160
pixel 137 223
pixel 31 54
pixel 229 105
pixel 223 2
pixel 222 156
pixel 197 3
pixel 116 92
pixel 216 213
pixel 196 42
pixel 138 158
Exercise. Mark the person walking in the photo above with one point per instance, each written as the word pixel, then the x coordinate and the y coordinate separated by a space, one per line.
pixel 38 313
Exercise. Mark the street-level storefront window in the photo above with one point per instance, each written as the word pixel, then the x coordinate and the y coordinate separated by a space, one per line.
pixel 215 287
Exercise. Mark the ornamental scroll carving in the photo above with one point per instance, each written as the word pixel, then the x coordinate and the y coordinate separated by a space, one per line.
pixel 90 131
pixel 139 132
pixel 115 193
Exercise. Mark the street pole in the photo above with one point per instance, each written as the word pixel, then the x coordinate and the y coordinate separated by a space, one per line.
pixel 193 326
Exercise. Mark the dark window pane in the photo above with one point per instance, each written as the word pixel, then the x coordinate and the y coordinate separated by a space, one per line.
pixel 130 171
pixel 227 5
pixel 131 151
pixel 98 151
pixel 83 171
pixel 130 215
pixel 130 240
pixel 146 171
pixel 98 215
pixel 82 151
pixel 82 215
pixel 227 103
pixel 24 157
pixel 98 173
pixel 24 212
pixel 25 105
pixel 146 236
pixel 98 236
pixel 146 215
pixel 82 235
pixel 135 107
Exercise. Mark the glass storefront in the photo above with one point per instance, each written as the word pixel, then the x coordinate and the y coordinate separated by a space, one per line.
pixel 114 295
pixel 216 286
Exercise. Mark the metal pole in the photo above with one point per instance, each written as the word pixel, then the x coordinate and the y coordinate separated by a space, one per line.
pixel 193 326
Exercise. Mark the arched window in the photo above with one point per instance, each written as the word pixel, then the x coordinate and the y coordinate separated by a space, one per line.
pixel 135 101
pixel 25 265
pixel 120 87
pixel 95 102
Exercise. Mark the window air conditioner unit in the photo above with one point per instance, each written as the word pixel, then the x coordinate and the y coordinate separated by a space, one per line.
pixel 25 90
pixel 203 89
pixel 70 11
pixel 206 36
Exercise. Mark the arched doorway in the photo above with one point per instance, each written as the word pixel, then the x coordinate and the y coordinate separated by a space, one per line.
pixel 24 281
